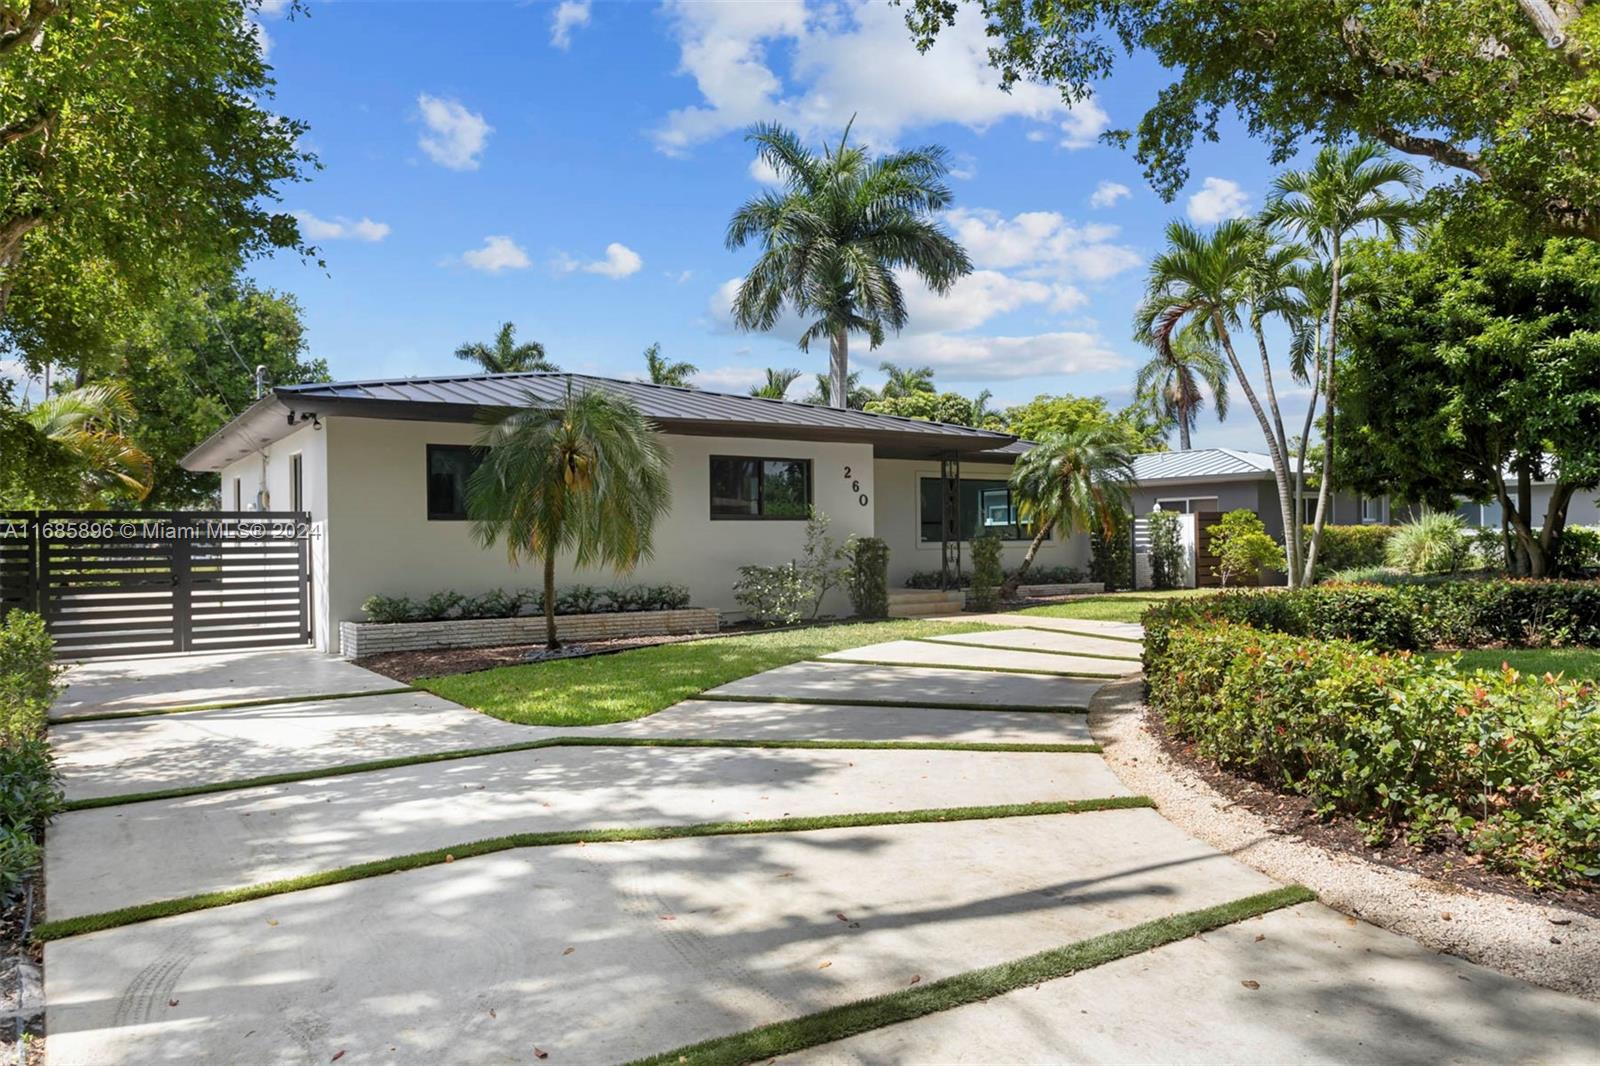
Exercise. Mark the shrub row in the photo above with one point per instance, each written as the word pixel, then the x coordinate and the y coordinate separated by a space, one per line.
pixel 1036 575
pixel 29 792
pixel 1508 764
pixel 1453 614
pixel 504 603
pixel 1350 547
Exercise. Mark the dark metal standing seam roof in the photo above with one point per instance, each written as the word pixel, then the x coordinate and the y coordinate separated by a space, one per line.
pixel 463 398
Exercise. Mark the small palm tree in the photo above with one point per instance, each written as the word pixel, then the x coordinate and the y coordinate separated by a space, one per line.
pixel 1076 481
pixel 663 371
pixel 505 355
pixel 1171 383
pixel 1343 191
pixel 984 416
pixel 836 237
pixel 91 423
pixel 776 387
pixel 903 382
pixel 589 477
pixel 857 395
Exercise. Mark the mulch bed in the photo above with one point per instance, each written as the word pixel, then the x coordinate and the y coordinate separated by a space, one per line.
pixel 407 666
pixel 18 949
pixel 1445 861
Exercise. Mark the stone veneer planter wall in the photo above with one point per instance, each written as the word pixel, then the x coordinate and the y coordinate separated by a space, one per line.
pixel 1041 591
pixel 360 639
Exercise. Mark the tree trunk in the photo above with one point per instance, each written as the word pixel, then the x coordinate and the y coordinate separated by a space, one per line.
pixel 550 640
pixel 839 369
pixel 1525 505
pixel 1280 464
pixel 1532 559
pixel 1325 488
pixel 1291 518
pixel 1008 587
pixel 1300 454
pixel 1183 431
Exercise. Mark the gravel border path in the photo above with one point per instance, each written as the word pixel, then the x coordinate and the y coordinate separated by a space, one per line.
pixel 1548 946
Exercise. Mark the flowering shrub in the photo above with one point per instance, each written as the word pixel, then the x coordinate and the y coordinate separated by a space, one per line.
pixel 1509 764
pixel 1037 575
pixel 503 603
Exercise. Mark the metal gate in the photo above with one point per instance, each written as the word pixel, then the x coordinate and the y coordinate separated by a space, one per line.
pixel 147 582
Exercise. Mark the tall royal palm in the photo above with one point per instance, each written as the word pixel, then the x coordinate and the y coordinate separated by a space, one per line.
pixel 1203 281
pixel 1074 482
pixel 1172 383
pixel 836 235
pixel 587 477
pixel 505 355
pixel 1344 191
pixel 857 395
pixel 664 371
pixel 903 382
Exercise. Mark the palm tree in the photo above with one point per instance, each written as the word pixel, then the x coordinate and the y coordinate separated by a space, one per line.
pixel 589 477
pixel 665 372
pixel 505 355
pixel 984 416
pixel 1171 383
pixel 857 395
pixel 1201 281
pixel 776 387
pixel 1075 482
pixel 90 423
pixel 1343 191
pixel 835 238
pixel 904 382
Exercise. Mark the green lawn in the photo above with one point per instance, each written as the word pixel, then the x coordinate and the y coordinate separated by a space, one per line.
pixel 632 684
pixel 1573 662
pixel 1111 607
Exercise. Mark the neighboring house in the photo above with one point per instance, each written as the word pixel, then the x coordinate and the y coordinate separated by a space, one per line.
pixel 1222 479
pixel 381 466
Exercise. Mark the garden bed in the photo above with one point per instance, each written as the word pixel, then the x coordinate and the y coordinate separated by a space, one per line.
pixel 408 666
pixel 362 640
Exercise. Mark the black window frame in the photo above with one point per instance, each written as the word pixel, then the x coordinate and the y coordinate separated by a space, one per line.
pixel 297 482
pixel 1025 530
pixel 427 476
pixel 761 477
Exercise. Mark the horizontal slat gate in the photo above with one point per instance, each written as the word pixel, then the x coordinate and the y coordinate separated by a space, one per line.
pixel 114 583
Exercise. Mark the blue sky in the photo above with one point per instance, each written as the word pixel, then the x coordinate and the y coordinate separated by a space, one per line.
pixel 572 167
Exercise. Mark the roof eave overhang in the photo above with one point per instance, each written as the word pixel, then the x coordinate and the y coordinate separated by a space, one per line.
pixel 262 423
pixel 1201 479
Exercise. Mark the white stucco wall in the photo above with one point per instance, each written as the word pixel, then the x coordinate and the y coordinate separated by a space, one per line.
pixel 381 540
pixel 898 521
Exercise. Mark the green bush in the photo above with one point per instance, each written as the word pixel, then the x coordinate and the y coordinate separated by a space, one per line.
pixel 869 578
pixel 772 595
pixel 29 792
pixel 1580 550
pixel 987 573
pixel 1509 764
pixel 1350 547
pixel 1111 558
pixel 1037 575
pixel 1166 549
pixel 501 603
pixel 1243 548
pixel 1435 543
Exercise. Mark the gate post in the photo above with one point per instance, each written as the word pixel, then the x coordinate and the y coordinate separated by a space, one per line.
pixel 182 624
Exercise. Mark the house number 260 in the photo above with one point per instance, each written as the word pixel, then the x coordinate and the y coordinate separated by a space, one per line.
pixel 855 487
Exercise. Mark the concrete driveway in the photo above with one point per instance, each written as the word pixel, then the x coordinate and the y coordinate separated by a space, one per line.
pixel 604 951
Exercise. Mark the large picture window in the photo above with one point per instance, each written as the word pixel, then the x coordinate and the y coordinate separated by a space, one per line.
pixel 986 507
pixel 749 487
pixel 449 467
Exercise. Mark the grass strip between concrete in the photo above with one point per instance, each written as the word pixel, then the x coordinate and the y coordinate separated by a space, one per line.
pixel 1086 675
pixel 837 1023
pixel 166 908
pixel 107 716
pixel 944 643
pixel 345 769
pixel 1023 623
pixel 930 705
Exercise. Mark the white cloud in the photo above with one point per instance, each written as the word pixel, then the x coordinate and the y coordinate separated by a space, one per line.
pixel 273 8
pixel 498 253
pixel 964 166
pixel 1041 244
pixel 970 358
pixel 730 378
pixel 852 60
pixel 263 38
pixel 340 228
pixel 455 136
pixel 971 301
pixel 568 16
pixel 678 276
pixel 619 262
pixel 764 172
pixel 1107 193
pixel 1218 199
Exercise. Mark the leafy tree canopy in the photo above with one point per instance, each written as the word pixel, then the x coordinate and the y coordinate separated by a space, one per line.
pixel 137 145
pixel 1476 361
pixel 1046 415
pixel 34 470
pixel 951 407
pixel 1505 94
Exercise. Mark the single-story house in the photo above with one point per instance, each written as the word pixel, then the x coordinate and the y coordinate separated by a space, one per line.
pixel 1205 480
pixel 381 467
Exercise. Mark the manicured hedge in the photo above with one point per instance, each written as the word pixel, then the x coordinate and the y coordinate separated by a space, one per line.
pixel 1452 614
pixel 1509 764
pixel 29 792
pixel 1349 547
